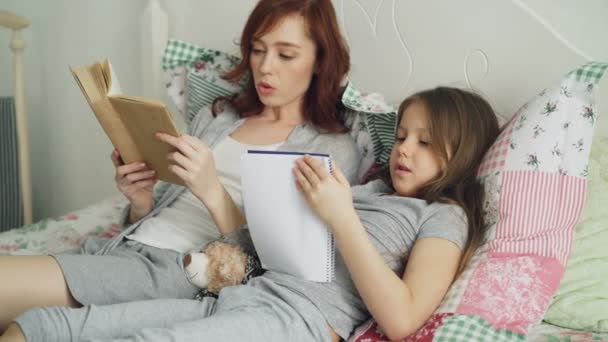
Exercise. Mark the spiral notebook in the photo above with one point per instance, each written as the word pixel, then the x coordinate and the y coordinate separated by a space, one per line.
pixel 288 235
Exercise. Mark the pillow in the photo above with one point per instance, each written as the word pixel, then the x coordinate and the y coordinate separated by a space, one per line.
pixel 192 76
pixel 535 184
pixel 193 80
pixel 581 301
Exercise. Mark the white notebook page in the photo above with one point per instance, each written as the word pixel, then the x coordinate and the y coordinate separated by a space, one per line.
pixel 288 235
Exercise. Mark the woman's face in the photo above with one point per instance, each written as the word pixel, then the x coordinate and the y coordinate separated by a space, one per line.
pixel 282 63
pixel 413 162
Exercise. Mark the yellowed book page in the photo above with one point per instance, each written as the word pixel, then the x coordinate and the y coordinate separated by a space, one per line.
pixel 143 118
pixel 92 83
pixel 112 83
pixel 116 130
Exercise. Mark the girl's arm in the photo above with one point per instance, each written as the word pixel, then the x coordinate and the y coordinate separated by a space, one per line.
pixel 399 305
pixel 193 163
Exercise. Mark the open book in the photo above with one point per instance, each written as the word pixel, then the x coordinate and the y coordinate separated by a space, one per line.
pixel 129 121
pixel 288 235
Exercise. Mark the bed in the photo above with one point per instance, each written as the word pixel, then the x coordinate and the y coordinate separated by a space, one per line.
pixel 508 51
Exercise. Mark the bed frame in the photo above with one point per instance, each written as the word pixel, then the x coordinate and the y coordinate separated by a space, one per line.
pixel 17 23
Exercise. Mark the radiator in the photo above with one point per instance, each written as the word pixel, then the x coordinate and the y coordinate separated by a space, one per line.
pixel 11 205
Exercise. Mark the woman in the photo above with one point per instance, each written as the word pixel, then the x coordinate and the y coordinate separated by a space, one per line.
pixel 298 59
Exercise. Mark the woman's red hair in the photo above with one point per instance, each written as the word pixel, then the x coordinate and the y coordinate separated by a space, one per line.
pixel 321 105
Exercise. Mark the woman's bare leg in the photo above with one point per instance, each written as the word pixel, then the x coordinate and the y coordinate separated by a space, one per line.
pixel 12 334
pixel 28 282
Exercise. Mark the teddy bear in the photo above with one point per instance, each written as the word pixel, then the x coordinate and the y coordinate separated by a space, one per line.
pixel 219 265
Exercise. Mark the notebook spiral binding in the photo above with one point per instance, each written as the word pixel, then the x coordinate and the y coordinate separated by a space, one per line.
pixel 332 257
pixel 331 244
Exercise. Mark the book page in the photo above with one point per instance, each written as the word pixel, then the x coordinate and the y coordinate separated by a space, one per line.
pixel 112 81
pixel 143 118
pixel 288 235
pixel 90 80
pixel 130 122
pixel 92 83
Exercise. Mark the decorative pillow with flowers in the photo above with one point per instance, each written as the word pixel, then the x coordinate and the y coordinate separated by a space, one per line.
pixel 66 233
pixel 193 80
pixel 535 184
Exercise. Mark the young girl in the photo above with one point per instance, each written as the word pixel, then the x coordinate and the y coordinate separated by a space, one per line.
pixel 424 216
pixel 400 244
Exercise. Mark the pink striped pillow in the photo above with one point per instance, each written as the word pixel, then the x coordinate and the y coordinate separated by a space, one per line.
pixel 535 179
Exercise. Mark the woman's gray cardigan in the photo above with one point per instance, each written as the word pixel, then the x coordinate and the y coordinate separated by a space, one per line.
pixel 211 130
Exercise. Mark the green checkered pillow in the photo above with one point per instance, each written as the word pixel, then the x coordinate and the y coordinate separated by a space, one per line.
pixel 193 81
pixel 192 76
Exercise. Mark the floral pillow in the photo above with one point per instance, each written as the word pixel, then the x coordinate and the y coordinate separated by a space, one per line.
pixel 192 76
pixel 65 234
pixel 535 184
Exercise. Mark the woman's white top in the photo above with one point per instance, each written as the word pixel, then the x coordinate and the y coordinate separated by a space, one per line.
pixel 183 226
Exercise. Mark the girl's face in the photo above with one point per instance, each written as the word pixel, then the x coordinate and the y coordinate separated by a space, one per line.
pixel 282 62
pixel 413 162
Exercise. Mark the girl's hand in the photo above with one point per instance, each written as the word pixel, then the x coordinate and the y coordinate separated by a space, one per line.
pixel 136 181
pixel 193 163
pixel 329 195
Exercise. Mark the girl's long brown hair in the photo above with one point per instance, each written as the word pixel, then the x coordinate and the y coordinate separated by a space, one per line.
pixel 466 123
pixel 322 107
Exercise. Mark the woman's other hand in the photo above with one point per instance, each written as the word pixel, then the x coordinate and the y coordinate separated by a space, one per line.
pixel 193 163
pixel 329 195
pixel 136 181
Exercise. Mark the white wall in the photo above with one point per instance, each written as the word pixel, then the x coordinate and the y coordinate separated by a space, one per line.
pixel 582 22
pixel 71 167
pixel 589 30
pixel 70 153
pixel 585 24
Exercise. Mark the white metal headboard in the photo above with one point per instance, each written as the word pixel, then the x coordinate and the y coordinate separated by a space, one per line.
pixel 16 24
pixel 503 49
